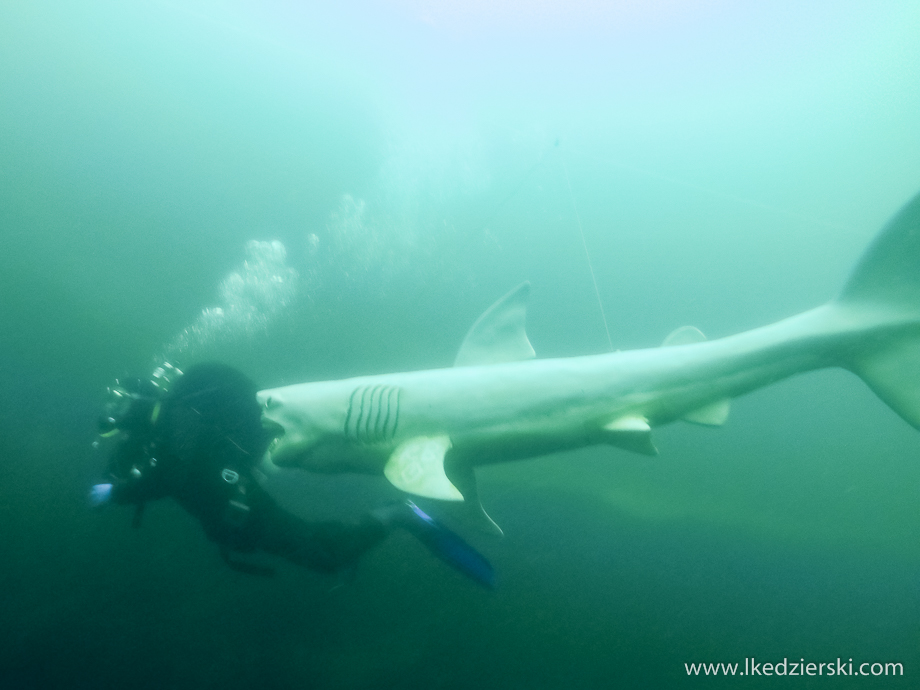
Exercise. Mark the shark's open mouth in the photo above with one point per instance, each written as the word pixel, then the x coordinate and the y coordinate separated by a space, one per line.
pixel 274 431
pixel 284 450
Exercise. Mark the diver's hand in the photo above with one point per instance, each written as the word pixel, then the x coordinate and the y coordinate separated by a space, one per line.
pixel 391 515
pixel 100 495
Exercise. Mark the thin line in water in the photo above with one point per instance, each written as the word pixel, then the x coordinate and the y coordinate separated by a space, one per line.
pixel 584 244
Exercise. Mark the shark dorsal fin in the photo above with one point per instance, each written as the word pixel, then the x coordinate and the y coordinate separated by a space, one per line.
pixel 685 335
pixel 498 335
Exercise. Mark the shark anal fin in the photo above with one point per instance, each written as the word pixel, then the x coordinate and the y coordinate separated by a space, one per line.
pixel 498 335
pixel 713 414
pixel 417 467
pixel 631 432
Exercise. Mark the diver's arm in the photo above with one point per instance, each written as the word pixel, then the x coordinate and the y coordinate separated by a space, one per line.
pixel 333 546
pixel 326 546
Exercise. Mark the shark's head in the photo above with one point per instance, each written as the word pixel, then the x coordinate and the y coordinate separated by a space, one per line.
pixel 286 417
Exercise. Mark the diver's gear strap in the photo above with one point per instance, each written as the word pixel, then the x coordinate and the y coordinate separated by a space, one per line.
pixel 238 511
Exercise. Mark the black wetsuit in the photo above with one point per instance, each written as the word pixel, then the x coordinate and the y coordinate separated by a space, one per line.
pixel 200 445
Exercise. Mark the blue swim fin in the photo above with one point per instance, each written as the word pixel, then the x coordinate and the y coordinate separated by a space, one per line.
pixel 448 545
pixel 100 495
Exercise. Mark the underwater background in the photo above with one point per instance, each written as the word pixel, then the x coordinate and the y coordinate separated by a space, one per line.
pixel 312 190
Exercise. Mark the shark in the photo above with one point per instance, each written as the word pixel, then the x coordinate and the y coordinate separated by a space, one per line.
pixel 427 431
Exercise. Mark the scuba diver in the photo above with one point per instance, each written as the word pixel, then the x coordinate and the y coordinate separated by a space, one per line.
pixel 199 438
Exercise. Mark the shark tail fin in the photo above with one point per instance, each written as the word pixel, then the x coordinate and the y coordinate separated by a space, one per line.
pixel 886 285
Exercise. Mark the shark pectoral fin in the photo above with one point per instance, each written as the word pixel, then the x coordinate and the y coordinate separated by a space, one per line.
pixel 498 335
pixel 471 512
pixel 417 467
pixel 713 414
pixel 630 433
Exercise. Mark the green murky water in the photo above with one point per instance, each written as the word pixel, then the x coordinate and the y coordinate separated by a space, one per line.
pixel 412 161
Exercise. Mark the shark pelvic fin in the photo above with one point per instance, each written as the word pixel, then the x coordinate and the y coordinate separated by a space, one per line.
pixel 417 467
pixel 498 335
pixel 631 432
pixel 714 414
pixel 685 335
